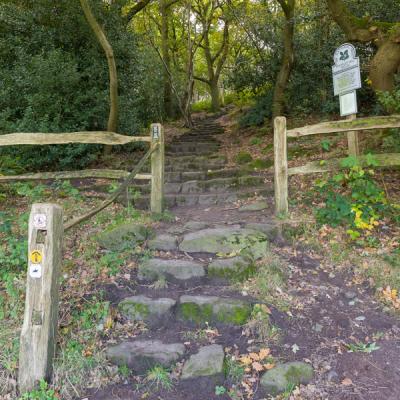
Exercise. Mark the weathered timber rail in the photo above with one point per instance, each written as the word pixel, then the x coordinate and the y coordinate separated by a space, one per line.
pixel 45 237
pixel 281 170
pixel 100 137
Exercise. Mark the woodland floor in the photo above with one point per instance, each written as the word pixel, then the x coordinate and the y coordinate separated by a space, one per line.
pixel 327 313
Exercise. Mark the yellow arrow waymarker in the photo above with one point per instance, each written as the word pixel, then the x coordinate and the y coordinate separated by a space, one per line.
pixel 36 257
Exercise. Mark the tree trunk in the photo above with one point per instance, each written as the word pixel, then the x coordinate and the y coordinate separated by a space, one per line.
pixel 164 11
pixel 384 66
pixel 287 61
pixel 386 36
pixel 214 91
pixel 112 124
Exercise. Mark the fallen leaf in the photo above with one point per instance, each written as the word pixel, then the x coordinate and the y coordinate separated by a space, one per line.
pixel 295 348
pixel 257 366
pixel 347 382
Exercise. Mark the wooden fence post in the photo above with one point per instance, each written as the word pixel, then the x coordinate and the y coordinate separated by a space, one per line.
pixel 280 166
pixel 38 335
pixel 352 139
pixel 157 169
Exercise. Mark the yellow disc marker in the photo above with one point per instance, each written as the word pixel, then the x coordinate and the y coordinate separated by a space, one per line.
pixel 36 257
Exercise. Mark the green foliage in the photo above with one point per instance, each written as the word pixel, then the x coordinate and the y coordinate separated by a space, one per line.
pixel 58 80
pixel 362 347
pixel 352 198
pixel 261 164
pixel 93 312
pixel 243 157
pixel 256 141
pixel 234 370
pixel 42 393
pixel 219 390
pixel 112 261
pixel 259 112
pixel 391 100
pixel 159 377
pixel 202 105
pixel 326 145
pixel 14 245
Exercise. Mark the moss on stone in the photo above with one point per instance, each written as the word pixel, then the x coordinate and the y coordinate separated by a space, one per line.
pixel 196 313
pixel 135 310
pixel 236 315
pixel 299 373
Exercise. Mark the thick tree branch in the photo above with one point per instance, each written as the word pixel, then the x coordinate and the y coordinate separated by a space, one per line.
pixel 136 8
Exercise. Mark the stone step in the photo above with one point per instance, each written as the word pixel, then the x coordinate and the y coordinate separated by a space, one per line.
pixel 196 138
pixel 182 272
pixel 188 147
pixel 212 309
pixel 142 355
pixel 175 177
pixel 172 200
pixel 155 312
pixel 217 185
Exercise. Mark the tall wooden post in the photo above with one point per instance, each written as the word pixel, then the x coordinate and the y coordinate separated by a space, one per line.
pixel 157 169
pixel 38 336
pixel 352 139
pixel 280 166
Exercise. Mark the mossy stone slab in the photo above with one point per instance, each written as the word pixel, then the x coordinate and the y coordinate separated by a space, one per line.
pixel 235 268
pixel 202 309
pixel 195 225
pixel 278 379
pixel 164 242
pixel 225 241
pixel 209 361
pixel 269 229
pixel 141 355
pixel 172 270
pixel 155 312
pixel 124 236
pixel 256 206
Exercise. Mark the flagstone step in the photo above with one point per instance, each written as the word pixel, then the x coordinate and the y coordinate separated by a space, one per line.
pixel 212 309
pixel 176 271
pixel 142 355
pixel 173 200
pixel 217 185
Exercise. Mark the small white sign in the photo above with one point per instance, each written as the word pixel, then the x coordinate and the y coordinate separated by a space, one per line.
pixel 40 221
pixel 35 271
pixel 346 81
pixel 348 103
pixel 156 133
pixel 346 71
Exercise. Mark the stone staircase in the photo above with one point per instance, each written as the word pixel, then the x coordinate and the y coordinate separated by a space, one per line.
pixel 186 289
pixel 196 172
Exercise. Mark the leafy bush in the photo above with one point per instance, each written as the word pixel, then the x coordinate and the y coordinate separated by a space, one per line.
pixel 258 113
pixel 58 80
pixel 202 105
pixel 42 393
pixel 353 199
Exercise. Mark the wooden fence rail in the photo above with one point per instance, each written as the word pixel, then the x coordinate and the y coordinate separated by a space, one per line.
pixel 45 237
pixel 282 172
pixel 101 137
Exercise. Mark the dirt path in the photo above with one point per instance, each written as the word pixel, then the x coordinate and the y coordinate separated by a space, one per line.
pixel 331 322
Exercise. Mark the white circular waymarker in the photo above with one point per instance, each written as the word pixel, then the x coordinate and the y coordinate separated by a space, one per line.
pixel 40 221
pixel 35 270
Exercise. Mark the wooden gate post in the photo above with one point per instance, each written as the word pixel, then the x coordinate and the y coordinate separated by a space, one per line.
pixel 38 335
pixel 280 166
pixel 157 169
pixel 353 139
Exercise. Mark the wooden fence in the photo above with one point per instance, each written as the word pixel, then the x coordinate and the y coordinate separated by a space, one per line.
pixel 45 238
pixel 155 139
pixel 282 172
